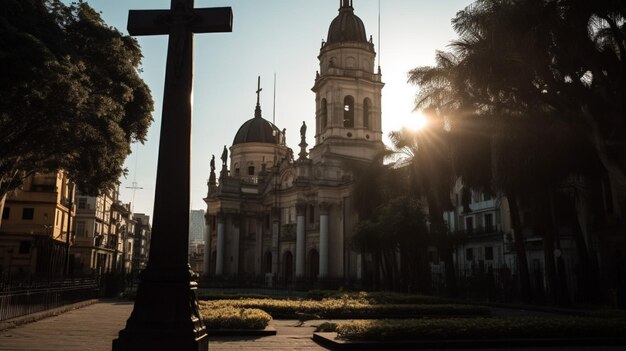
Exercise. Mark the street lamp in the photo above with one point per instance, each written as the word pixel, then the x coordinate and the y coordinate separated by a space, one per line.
pixel 69 228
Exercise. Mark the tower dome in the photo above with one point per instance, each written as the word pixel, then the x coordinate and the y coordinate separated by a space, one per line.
pixel 257 130
pixel 346 27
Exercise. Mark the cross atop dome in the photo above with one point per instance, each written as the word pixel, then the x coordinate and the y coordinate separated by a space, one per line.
pixel 258 90
pixel 257 111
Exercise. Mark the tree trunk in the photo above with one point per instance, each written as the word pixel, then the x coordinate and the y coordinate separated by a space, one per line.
pixel 547 229
pixel 616 174
pixel 588 267
pixel 520 249
pixel 438 228
pixel 3 199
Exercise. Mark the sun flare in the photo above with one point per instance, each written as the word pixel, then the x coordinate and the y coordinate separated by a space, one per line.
pixel 416 122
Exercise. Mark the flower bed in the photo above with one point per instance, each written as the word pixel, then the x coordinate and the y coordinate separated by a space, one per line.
pixel 479 328
pixel 229 317
pixel 348 308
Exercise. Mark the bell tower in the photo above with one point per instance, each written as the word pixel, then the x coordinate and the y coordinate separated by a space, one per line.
pixel 347 91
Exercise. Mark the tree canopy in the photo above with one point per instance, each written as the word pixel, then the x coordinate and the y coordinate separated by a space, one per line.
pixel 533 92
pixel 545 76
pixel 72 97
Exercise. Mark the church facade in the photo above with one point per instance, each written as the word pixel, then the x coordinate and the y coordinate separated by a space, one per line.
pixel 278 218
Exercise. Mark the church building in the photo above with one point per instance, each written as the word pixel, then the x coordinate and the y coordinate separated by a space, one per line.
pixel 277 218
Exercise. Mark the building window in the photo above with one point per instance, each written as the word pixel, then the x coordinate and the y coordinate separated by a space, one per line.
pixel 324 113
pixel 367 107
pixel 251 170
pixel 489 253
pixel 488 222
pixel 6 212
pixel 82 203
pixel 28 213
pixel 469 254
pixel 469 224
pixel 433 257
pixel 348 112
pixel 24 247
pixel 80 229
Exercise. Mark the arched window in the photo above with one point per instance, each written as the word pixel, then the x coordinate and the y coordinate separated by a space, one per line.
pixel 348 112
pixel 324 113
pixel 367 111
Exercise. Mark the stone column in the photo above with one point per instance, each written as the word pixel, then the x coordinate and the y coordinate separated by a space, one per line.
pixel 300 240
pixel 206 258
pixel 275 230
pixel 258 252
pixel 323 271
pixel 219 261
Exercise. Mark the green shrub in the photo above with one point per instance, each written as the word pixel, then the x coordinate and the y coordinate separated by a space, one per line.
pixel 228 317
pixel 326 327
pixel 481 328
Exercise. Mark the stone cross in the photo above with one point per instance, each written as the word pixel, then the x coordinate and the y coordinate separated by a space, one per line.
pixel 165 315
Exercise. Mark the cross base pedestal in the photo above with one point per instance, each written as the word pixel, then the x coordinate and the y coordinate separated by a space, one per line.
pixel 165 315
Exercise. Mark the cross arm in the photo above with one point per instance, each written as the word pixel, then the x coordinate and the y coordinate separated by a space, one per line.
pixel 202 20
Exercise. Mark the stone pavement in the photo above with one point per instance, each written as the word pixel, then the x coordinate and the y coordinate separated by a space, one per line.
pixel 94 327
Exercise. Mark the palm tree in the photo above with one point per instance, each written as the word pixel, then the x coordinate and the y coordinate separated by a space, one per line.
pixel 427 156
pixel 372 188
pixel 537 78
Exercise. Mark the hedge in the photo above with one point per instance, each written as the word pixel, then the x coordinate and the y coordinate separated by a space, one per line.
pixel 228 317
pixel 480 328
pixel 348 308
pixel 378 297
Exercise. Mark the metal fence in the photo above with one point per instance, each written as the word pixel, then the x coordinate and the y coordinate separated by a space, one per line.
pixel 25 298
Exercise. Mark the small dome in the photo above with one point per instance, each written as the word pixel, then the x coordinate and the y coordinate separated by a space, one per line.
pixel 346 26
pixel 257 130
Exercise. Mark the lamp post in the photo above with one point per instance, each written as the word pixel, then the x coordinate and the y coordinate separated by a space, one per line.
pixel 69 229
pixel 123 232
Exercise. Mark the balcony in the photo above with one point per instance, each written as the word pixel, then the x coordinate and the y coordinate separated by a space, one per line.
pixel 43 188
pixel 483 205
pixel 478 232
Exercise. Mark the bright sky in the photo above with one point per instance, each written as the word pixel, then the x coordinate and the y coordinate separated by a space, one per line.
pixel 282 37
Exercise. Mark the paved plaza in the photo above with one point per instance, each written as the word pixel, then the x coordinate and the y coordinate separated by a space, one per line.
pixel 93 327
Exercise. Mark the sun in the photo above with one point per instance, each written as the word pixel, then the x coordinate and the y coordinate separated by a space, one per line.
pixel 416 122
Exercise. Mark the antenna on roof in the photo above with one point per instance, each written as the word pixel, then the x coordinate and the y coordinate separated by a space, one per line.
pixel 274 108
pixel 379 50
pixel 135 186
